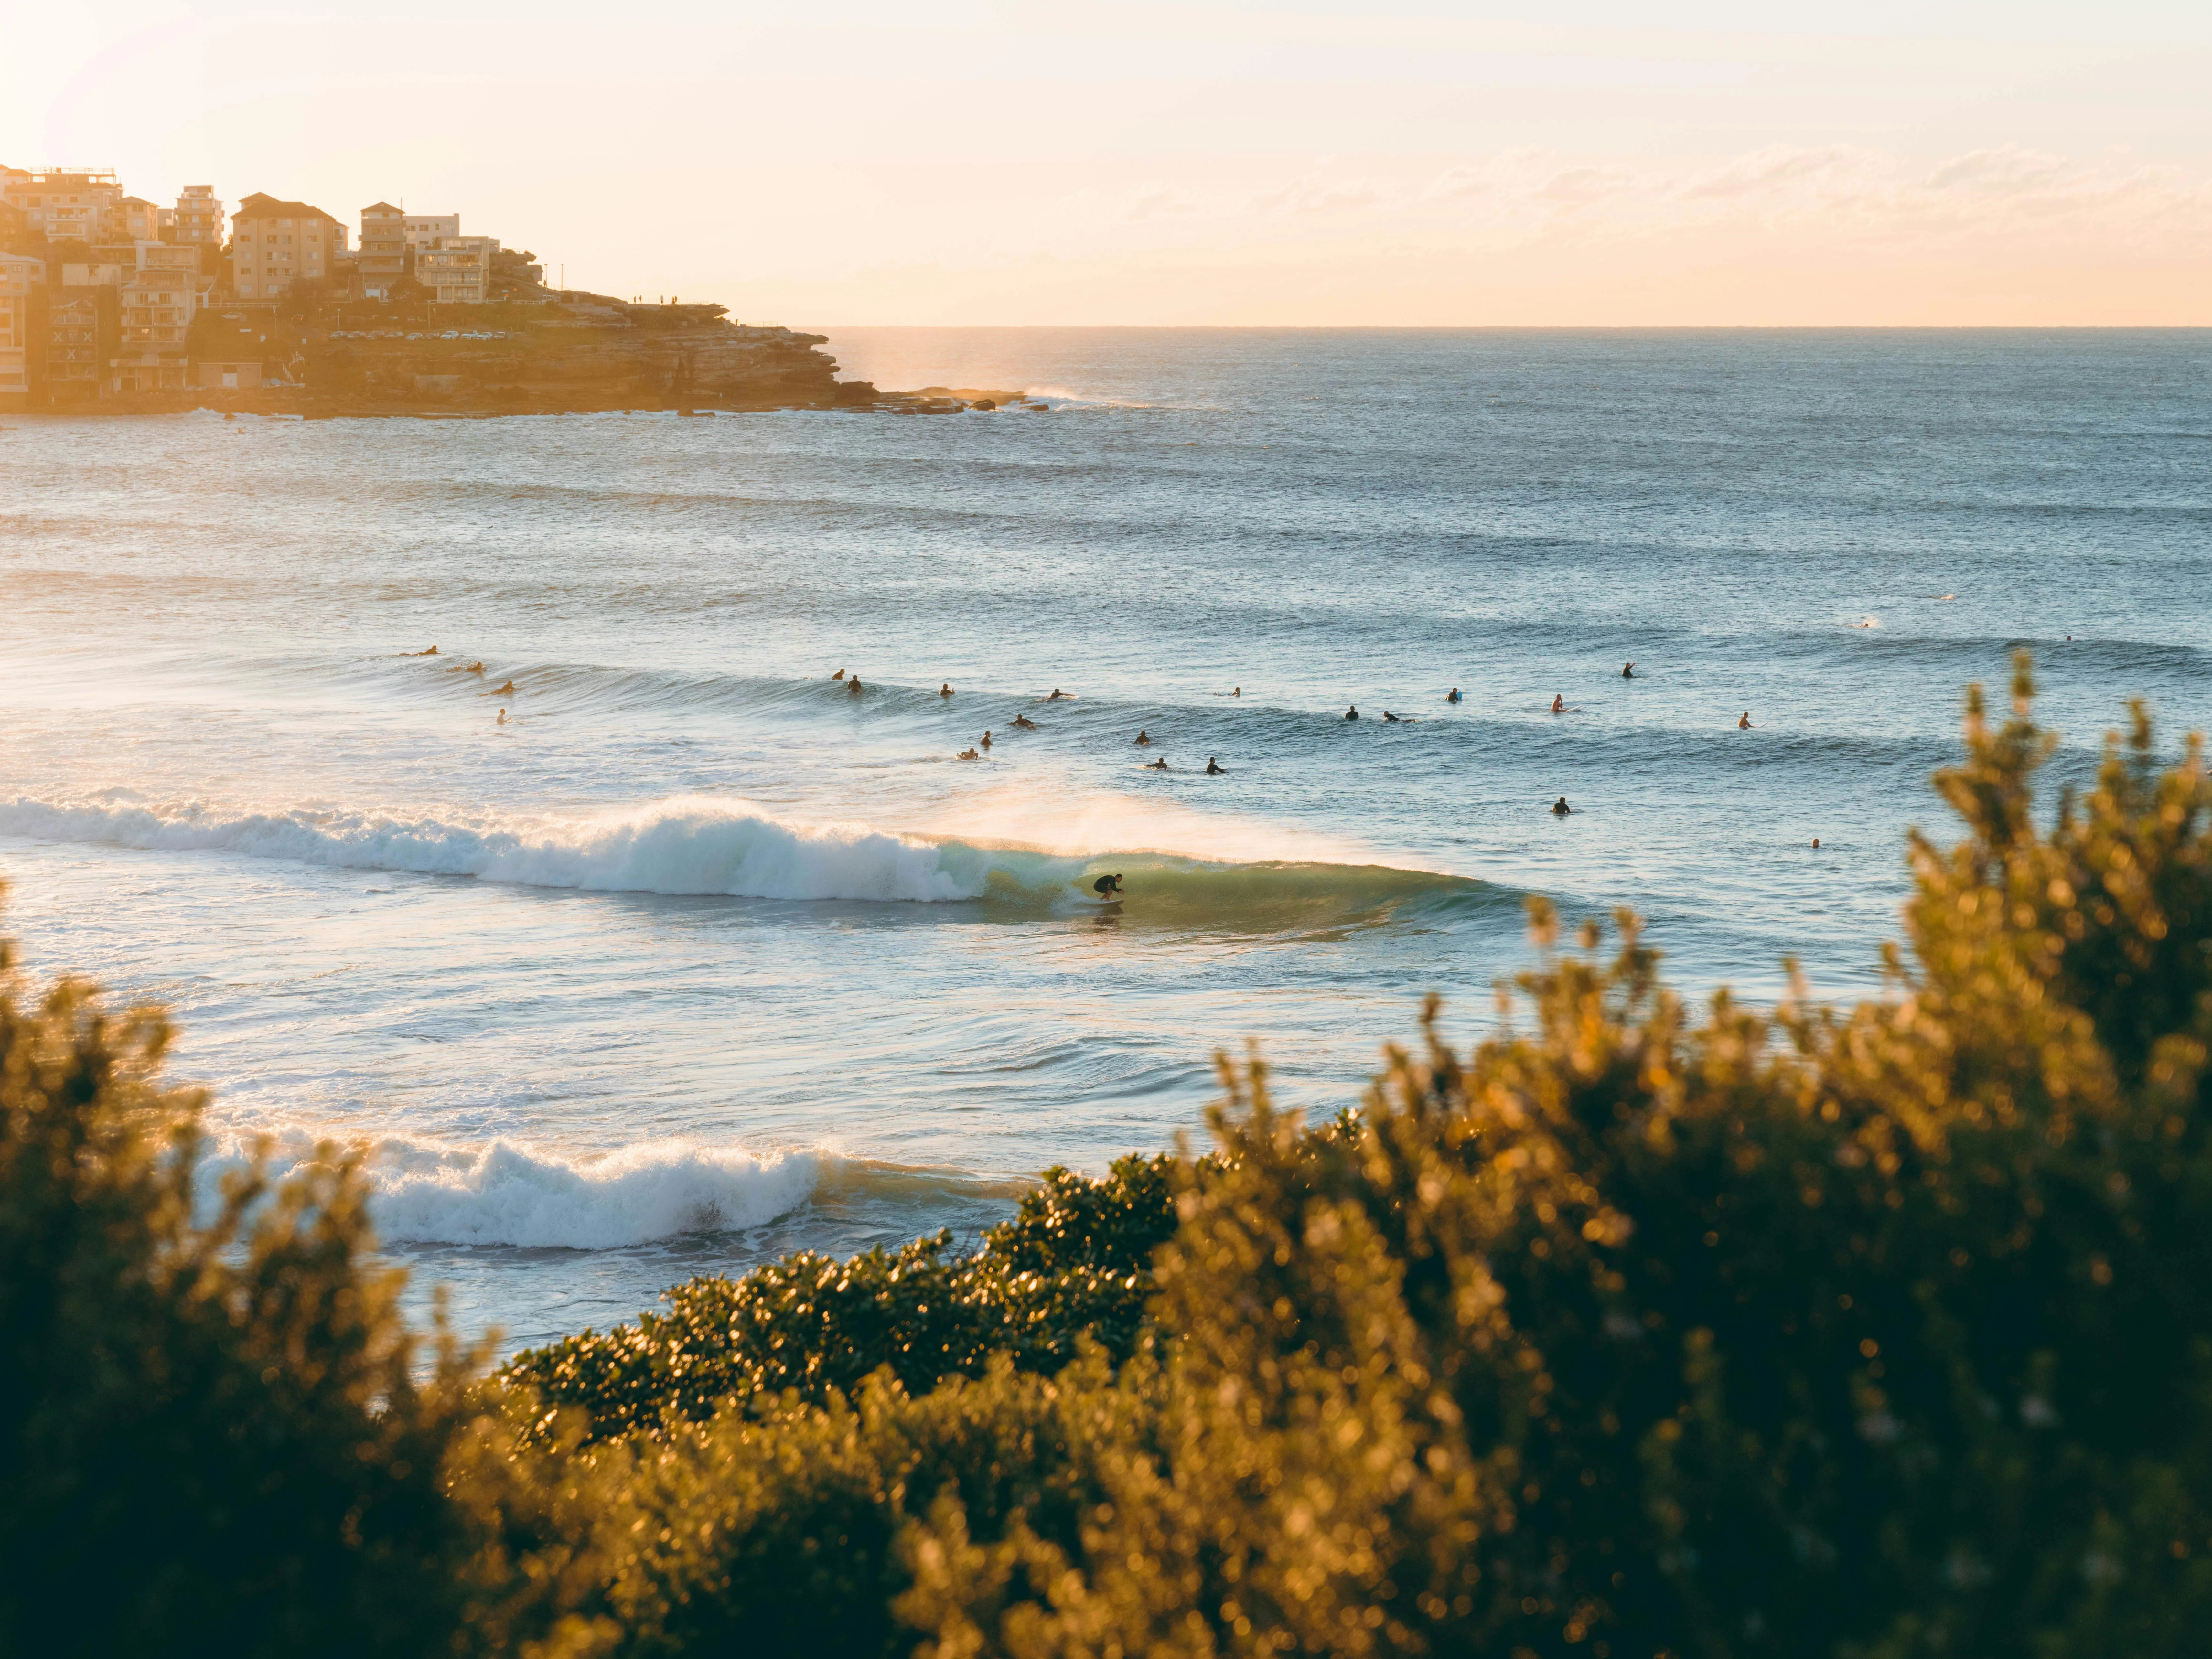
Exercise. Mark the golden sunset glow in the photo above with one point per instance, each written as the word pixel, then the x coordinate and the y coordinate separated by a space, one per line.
pixel 1214 164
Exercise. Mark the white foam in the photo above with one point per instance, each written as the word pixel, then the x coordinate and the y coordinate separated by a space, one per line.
pixel 683 845
pixel 508 1193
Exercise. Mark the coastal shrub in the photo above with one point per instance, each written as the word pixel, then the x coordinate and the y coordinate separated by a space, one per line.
pixel 1074 1260
pixel 1882 1332
pixel 211 1437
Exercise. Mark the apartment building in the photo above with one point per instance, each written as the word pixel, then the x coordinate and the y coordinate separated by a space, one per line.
pixel 156 305
pixel 197 219
pixel 138 220
pixel 22 282
pixel 422 229
pixel 80 337
pixel 274 244
pixel 66 204
pixel 384 249
pixel 457 269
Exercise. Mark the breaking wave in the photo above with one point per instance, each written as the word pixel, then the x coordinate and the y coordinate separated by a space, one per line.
pixel 731 847
pixel 508 1193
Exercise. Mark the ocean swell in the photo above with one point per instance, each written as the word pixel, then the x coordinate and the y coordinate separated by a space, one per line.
pixel 731 848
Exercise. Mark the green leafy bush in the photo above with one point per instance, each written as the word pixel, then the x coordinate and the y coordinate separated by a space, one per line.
pixel 1075 1258
pixel 212 1440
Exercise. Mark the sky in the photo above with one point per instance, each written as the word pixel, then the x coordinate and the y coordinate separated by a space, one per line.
pixel 1984 162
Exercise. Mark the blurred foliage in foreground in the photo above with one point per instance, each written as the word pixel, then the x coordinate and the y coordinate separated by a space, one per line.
pixel 1872 1333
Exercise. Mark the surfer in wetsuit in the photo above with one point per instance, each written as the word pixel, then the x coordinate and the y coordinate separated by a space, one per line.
pixel 1025 722
pixel 1628 671
pixel 1558 704
pixel 1352 712
pixel 853 685
pixel 987 737
pixel 1143 741
pixel 1057 694
pixel 1744 725
pixel 1454 694
pixel 1159 765
pixel 1214 769
pixel 1107 887
pixel 1559 807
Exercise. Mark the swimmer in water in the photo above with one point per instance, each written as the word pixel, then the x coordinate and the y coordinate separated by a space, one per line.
pixel 1558 704
pixel 1107 887
pixel 1239 691
pixel 1628 671
pixel 1025 722
pixel 1214 769
pixel 1352 712
pixel 1143 741
pixel 853 685
pixel 946 689
pixel 1816 843
pixel 1559 807
pixel 1453 697
pixel 1744 725
pixel 987 737
pixel 502 721
pixel 1159 765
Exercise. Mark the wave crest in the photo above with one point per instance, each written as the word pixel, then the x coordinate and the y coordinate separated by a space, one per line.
pixel 731 848
pixel 507 1192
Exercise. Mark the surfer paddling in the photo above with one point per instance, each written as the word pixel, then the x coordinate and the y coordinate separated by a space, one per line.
pixel 1025 722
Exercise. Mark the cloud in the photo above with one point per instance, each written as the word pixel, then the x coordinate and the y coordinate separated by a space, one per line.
pixel 1768 169
pixel 1314 193
pixel 2025 199
pixel 1157 199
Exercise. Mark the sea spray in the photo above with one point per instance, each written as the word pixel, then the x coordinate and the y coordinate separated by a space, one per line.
pixel 509 1193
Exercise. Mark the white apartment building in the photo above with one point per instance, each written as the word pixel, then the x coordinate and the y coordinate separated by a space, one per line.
pixel 67 205
pixel 457 269
pixel 197 218
pixel 422 229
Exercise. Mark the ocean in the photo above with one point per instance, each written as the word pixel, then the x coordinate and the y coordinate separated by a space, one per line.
pixel 702 957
